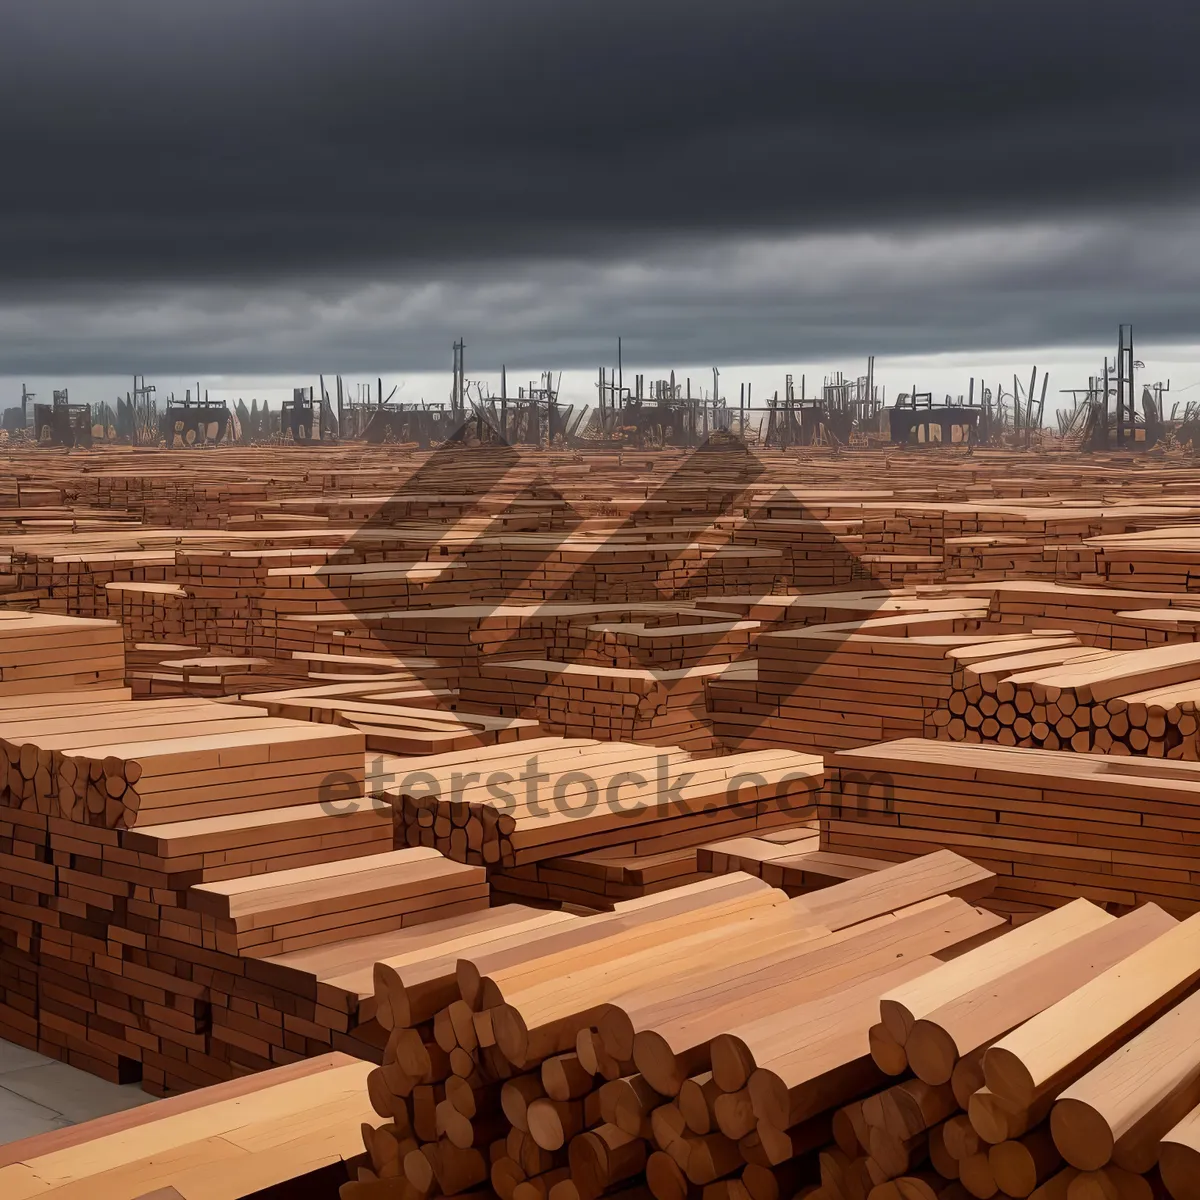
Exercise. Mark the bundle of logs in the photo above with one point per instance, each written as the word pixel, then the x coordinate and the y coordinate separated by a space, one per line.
pixel 578 1058
pixel 872 1053
pixel 1074 697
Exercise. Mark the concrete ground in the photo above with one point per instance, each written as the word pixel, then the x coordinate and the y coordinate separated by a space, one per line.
pixel 38 1094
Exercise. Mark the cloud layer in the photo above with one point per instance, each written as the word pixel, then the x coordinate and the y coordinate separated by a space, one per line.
pixel 260 185
pixel 814 298
pixel 245 138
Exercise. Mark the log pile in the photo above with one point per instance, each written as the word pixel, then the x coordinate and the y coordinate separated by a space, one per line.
pixel 587 1059
pixel 1079 698
pixel 1058 1060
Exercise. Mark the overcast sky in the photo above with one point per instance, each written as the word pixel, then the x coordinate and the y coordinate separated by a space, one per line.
pixel 247 190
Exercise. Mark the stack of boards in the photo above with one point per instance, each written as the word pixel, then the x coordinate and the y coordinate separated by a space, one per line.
pixel 116 764
pixel 659 707
pixel 42 652
pixel 534 811
pixel 843 684
pixel 396 717
pixel 139 941
pixel 1053 825
pixel 878 1040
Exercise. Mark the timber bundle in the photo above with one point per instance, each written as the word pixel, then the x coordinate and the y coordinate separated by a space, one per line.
pixel 870 1040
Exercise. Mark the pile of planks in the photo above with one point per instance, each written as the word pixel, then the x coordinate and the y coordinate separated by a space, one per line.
pixel 280 911
pixel 463 636
pixel 663 708
pixel 1053 825
pixel 113 764
pixel 42 652
pixel 600 879
pixel 511 806
pixel 845 684
pixel 291 1130
pixel 1164 559
pixel 148 611
pixel 146 943
pixel 667 645
pixel 583 1058
pixel 398 716
pixel 790 859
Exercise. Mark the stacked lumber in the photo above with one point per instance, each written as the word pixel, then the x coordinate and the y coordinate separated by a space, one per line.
pixel 790 859
pixel 846 684
pixel 661 708
pixel 513 806
pixel 1113 702
pixel 615 568
pixel 40 652
pixel 184 954
pixel 213 675
pixel 263 915
pixel 292 1130
pixel 71 575
pixel 465 635
pixel 398 717
pixel 599 880
pixel 243 594
pixel 668 645
pixel 1106 618
pixel 819 553
pixel 113 764
pixel 148 611
pixel 581 1057
pixel 130 938
pixel 1166 559
pixel 1053 825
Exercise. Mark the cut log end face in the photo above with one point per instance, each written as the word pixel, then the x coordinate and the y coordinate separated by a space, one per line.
pixel 1179 1166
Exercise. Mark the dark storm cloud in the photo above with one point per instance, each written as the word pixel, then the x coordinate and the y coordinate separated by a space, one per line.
pixel 822 297
pixel 165 140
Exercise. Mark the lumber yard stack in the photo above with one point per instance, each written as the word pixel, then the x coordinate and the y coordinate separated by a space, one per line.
pixel 158 859
pixel 1053 825
pixel 658 707
pixel 587 822
pixel 825 687
pixel 41 652
pixel 1111 701
pixel 579 1058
